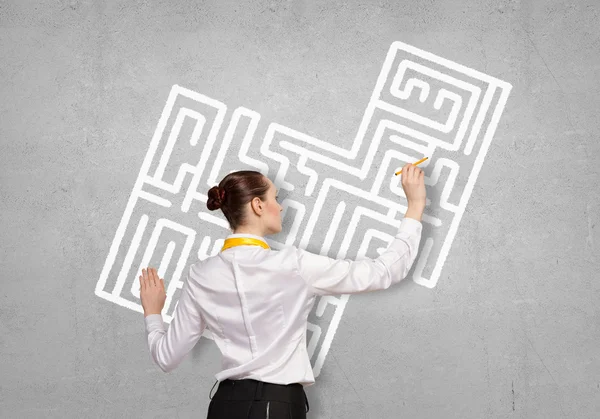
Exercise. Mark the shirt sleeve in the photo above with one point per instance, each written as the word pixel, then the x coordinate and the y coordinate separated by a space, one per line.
pixel 327 276
pixel 169 347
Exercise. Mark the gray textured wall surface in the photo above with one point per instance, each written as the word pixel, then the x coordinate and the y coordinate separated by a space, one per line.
pixel 510 329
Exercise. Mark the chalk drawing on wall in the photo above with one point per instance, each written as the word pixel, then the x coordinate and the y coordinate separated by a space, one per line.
pixel 422 105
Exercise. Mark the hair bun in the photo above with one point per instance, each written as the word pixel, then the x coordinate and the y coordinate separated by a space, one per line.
pixel 216 196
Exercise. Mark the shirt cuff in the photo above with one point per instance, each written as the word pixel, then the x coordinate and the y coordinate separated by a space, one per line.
pixel 410 226
pixel 154 322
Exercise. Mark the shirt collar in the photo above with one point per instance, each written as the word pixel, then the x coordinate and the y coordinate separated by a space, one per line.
pixel 234 235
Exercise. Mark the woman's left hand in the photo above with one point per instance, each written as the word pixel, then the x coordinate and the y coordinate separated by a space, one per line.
pixel 152 292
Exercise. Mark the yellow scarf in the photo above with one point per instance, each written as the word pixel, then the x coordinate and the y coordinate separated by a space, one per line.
pixel 240 241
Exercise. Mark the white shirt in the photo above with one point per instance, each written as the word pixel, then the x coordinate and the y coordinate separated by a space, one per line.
pixel 256 302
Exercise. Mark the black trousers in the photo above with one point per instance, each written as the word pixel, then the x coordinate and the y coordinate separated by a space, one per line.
pixel 252 399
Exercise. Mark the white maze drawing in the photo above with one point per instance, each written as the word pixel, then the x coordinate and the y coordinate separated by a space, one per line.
pixel 422 105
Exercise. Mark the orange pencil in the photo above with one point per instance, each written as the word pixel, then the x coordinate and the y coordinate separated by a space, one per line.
pixel 414 164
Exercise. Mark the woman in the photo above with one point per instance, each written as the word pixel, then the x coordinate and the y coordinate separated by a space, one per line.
pixel 256 301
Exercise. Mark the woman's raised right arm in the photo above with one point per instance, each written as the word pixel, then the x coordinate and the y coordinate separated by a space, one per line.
pixel 324 275
pixel 327 276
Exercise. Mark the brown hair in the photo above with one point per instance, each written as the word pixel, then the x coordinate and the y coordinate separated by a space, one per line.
pixel 234 192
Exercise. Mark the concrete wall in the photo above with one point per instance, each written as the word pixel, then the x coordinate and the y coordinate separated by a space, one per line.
pixel 498 319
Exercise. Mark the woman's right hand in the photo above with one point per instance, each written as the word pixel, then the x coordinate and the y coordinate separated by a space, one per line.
pixel 413 183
